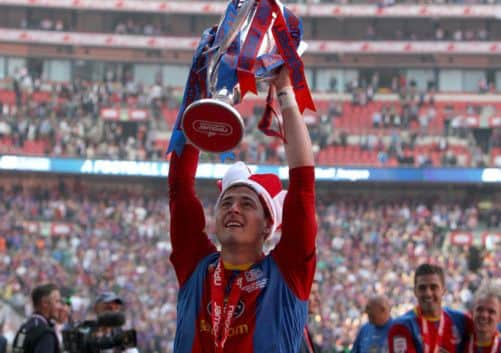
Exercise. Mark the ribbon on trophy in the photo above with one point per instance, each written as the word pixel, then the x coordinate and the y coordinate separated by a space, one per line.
pixel 287 32
pixel 195 88
pixel 244 60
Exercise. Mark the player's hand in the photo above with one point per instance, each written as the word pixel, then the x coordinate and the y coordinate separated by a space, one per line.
pixel 282 80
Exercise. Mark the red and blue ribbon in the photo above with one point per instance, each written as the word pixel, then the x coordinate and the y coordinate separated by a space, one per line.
pixel 241 64
pixel 196 88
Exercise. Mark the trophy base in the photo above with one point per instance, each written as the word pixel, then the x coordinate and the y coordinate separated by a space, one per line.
pixel 212 125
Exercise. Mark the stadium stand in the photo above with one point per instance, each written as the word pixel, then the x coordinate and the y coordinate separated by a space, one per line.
pixel 85 121
pixel 396 83
pixel 368 75
pixel 89 235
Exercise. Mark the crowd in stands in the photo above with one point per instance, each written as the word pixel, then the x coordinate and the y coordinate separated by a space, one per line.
pixel 436 33
pixel 118 239
pixel 384 3
pixel 435 30
pixel 125 25
pixel 45 23
pixel 117 242
pixel 65 120
pixel 129 26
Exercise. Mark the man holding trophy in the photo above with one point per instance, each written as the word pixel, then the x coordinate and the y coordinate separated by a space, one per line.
pixel 238 299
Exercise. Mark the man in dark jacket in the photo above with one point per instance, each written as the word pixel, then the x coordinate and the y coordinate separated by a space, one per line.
pixel 37 334
pixel 3 340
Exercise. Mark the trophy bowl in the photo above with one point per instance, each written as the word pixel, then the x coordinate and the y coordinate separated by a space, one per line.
pixel 213 125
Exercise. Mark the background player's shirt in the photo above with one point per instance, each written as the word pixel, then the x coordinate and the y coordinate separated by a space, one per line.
pixel 372 338
pixel 493 347
pixel 405 333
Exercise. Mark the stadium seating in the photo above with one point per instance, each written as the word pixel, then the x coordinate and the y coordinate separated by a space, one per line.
pixel 90 234
pixel 87 236
pixel 353 120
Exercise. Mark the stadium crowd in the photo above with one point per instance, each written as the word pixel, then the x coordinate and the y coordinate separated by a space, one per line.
pixel 66 120
pixel 118 239
pixel 384 3
pixel 89 238
pixel 135 25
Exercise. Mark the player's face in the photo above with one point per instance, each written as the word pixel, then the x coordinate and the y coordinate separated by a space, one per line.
pixel 486 315
pixel 429 291
pixel 240 217
pixel 376 313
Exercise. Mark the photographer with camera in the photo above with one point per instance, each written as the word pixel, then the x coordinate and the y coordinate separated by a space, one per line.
pixel 109 311
pixel 37 334
pixel 103 335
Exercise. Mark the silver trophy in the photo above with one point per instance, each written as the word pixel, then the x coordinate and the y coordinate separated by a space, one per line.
pixel 212 124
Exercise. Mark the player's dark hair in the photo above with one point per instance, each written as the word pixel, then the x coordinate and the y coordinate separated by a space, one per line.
pixel 429 269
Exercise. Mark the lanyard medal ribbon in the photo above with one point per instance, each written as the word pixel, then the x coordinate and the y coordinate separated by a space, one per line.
pixel 433 342
pixel 224 303
pixel 473 344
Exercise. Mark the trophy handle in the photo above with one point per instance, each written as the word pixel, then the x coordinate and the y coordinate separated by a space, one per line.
pixel 243 15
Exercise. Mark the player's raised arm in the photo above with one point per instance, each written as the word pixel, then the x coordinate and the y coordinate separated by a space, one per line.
pixel 298 146
pixel 295 252
pixel 189 241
